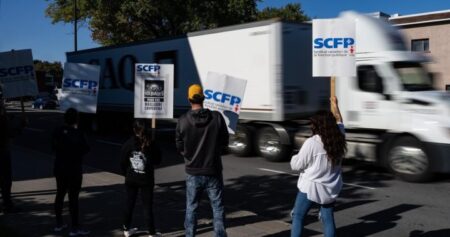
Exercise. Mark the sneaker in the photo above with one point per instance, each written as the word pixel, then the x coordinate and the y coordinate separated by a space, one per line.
pixel 59 228
pixel 157 234
pixel 130 232
pixel 79 232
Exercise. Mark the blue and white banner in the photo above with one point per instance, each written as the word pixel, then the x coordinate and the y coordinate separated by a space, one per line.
pixel 17 76
pixel 153 90
pixel 225 94
pixel 80 86
pixel 334 48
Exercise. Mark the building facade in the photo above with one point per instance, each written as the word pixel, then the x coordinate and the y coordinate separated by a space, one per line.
pixel 428 33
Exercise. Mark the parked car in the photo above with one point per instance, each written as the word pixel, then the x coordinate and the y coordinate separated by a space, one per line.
pixel 44 103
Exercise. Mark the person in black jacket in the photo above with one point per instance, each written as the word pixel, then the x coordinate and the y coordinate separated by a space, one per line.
pixel 69 145
pixel 5 160
pixel 8 129
pixel 201 135
pixel 138 157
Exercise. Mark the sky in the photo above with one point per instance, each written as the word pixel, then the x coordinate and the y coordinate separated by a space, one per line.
pixel 23 24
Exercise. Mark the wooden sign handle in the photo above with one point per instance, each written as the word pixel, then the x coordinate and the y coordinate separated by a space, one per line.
pixel 153 128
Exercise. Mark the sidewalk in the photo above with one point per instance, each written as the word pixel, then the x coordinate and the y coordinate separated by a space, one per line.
pixel 102 201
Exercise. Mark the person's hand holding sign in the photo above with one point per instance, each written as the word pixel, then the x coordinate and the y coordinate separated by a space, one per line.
pixel 335 109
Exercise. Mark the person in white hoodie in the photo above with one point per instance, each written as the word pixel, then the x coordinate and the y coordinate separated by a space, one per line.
pixel 319 164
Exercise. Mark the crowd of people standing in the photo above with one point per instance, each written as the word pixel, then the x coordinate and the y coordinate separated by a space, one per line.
pixel 201 136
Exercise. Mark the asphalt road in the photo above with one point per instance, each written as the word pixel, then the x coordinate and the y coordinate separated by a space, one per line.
pixel 372 203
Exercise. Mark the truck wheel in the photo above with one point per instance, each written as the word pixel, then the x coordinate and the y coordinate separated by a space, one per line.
pixel 240 143
pixel 408 160
pixel 41 107
pixel 270 147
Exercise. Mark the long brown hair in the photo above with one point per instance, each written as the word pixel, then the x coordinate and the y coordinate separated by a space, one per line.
pixel 142 134
pixel 324 125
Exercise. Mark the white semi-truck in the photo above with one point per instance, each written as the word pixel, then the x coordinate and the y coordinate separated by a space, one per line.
pixel 391 112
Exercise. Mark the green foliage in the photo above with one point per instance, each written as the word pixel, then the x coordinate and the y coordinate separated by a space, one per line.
pixel 54 68
pixel 63 10
pixel 290 12
pixel 113 21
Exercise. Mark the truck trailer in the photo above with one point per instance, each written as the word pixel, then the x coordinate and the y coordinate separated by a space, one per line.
pixel 392 114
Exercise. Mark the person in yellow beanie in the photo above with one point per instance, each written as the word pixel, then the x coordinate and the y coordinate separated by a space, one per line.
pixel 201 135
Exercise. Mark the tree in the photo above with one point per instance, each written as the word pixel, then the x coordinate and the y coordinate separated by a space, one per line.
pixel 128 21
pixel 290 12
pixel 114 22
pixel 55 68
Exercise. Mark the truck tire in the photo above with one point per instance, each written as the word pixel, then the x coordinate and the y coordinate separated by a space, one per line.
pixel 270 147
pixel 41 107
pixel 240 143
pixel 409 161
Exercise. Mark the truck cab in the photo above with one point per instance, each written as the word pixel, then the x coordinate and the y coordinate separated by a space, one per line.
pixel 392 112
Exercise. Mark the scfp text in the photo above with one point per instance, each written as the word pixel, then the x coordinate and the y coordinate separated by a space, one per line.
pixel 332 43
pixel 148 68
pixel 222 97
pixel 79 83
pixel 14 71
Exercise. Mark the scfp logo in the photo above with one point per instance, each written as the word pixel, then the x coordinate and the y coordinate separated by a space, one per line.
pixel 14 71
pixel 152 68
pixel 79 83
pixel 222 97
pixel 333 43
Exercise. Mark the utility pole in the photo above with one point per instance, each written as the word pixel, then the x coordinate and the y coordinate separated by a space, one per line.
pixel 75 31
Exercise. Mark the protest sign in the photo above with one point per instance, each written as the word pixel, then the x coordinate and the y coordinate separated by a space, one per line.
pixel 334 48
pixel 225 94
pixel 17 76
pixel 153 91
pixel 80 86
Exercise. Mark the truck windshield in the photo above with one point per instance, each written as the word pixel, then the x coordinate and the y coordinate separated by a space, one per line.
pixel 413 76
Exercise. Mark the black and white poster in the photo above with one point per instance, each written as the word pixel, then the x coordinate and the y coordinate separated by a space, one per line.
pixel 153 94
pixel 153 91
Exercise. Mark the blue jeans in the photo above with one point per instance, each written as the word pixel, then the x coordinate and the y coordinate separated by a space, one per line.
pixel 301 208
pixel 195 185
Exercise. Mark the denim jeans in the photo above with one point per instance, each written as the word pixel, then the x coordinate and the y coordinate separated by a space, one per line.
pixel 195 185
pixel 301 208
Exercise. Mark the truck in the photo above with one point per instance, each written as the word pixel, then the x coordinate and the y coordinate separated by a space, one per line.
pixel 392 114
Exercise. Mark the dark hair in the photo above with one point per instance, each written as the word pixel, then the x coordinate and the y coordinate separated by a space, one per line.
pixel 197 99
pixel 71 116
pixel 324 125
pixel 142 133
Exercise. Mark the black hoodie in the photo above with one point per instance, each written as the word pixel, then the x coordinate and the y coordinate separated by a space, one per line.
pixel 70 146
pixel 201 135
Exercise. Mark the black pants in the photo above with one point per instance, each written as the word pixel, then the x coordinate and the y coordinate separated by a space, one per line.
pixel 67 184
pixel 6 177
pixel 147 200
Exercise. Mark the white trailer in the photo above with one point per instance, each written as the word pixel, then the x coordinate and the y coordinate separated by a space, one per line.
pixel 273 56
pixel 391 114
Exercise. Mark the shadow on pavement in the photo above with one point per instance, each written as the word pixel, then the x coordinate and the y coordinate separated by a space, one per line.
pixel 376 222
pixel 434 233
